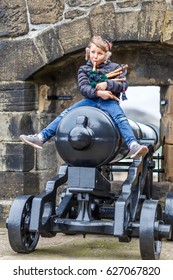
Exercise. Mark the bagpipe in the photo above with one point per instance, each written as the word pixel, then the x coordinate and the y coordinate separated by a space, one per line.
pixel 118 75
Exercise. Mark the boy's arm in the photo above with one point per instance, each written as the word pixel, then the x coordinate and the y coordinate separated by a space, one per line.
pixel 117 81
pixel 84 85
pixel 116 87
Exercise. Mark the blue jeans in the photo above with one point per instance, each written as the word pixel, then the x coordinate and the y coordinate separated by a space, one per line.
pixel 110 106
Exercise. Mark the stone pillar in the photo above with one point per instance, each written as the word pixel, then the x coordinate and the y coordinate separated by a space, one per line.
pixel 23 169
pixel 18 102
pixel 166 95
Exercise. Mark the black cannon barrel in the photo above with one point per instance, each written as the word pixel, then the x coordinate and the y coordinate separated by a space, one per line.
pixel 87 136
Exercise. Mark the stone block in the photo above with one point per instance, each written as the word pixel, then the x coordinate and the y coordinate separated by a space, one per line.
pixel 18 96
pixel 166 129
pixel 166 96
pixel 151 20
pixel 19 59
pixel 48 159
pixel 127 25
pixel 127 3
pixel 50 11
pixel 14 124
pixel 18 183
pixel 168 166
pixel 44 177
pixel 48 44
pixel 13 18
pixel 4 211
pixel 16 157
pixel 75 34
pixel 74 14
pixel 159 189
pixel 82 3
pixel 149 64
pixel 103 21
pixel 44 119
pixel 167 29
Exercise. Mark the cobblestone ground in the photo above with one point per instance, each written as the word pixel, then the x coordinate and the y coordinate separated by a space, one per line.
pixel 94 247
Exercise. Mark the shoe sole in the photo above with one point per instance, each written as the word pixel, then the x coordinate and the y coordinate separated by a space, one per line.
pixel 141 152
pixel 30 143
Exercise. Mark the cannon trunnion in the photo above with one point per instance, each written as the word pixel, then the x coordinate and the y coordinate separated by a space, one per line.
pixel 88 141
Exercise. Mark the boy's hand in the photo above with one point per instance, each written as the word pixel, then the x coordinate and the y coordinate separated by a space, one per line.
pixel 101 86
pixel 105 94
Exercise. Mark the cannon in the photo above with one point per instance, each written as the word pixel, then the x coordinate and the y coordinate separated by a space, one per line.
pixel 89 143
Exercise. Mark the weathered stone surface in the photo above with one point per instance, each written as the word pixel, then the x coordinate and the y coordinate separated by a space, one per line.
pixel 168 166
pixel 43 120
pixel 19 59
pixel 75 35
pixel 13 124
pixel 127 3
pixel 166 126
pixel 16 157
pixel 127 26
pixel 167 30
pixel 166 96
pixel 74 14
pixel 149 64
pixel 48 159
pixel 18 96
pixel 17 183
pixel 44 177
pixel 107 28
pixel 48 44
pixel 45 172
pixel 27 56
pixel 159 189
pixel 13 18
pixel 4 211
pixel 151 20
pixel 82 3
pixel 50 11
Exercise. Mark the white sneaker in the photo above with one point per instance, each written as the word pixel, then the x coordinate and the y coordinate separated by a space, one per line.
pixel 137 151
pixel 32 140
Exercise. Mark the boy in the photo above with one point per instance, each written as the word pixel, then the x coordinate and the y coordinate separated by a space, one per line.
pixel 101 95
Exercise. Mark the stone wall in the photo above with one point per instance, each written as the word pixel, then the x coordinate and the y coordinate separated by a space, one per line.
pixel 41 47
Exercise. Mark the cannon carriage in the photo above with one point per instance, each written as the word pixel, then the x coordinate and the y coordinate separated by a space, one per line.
pixel 89 143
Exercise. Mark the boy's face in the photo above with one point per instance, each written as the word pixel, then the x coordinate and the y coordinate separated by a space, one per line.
pixel 96 54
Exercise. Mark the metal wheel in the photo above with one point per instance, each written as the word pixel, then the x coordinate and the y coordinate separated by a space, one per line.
pixel 20 238
pixel 168 212
pixel 150 243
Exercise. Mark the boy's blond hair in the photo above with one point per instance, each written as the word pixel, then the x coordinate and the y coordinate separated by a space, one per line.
pixel 101 43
